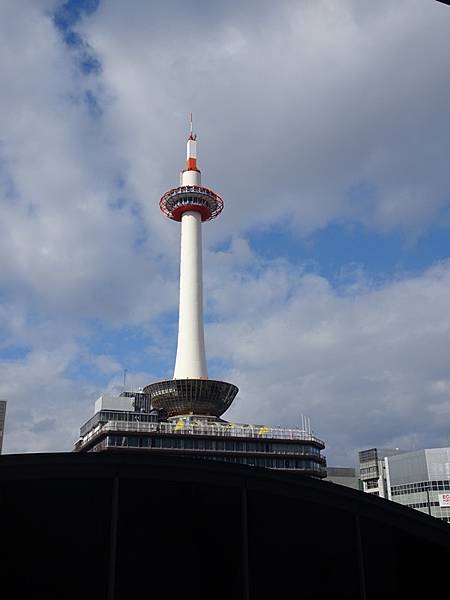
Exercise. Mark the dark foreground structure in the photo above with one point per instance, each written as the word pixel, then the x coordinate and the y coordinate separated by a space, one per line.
pixel 125 526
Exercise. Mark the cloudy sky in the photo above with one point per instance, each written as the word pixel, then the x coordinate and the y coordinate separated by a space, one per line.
pixel 326 127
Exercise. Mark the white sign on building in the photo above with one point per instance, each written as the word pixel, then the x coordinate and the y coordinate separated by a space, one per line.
pixel 444 500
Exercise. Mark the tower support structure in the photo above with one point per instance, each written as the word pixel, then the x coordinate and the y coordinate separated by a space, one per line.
pixel 190 361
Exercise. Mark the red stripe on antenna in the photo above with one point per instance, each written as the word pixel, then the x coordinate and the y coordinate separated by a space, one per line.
pixel 191 164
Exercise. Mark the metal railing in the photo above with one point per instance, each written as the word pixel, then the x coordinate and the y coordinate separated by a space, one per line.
pixel 227 430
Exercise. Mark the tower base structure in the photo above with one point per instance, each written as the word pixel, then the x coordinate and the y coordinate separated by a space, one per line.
pixel 182 418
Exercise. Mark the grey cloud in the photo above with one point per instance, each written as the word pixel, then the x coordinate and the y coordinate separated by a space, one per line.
pixel 71 238
pixel 44 425
pixel 370 367
pixel 296 106
pixel 293 116
pixel 39 393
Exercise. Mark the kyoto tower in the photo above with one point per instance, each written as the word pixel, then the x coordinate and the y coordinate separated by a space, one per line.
pixel 190 391
pixel 182 416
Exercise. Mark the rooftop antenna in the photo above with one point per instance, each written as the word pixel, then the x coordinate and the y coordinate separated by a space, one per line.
pixel 306 423
pixel 303 422
pixel 125 371
pixel 192 136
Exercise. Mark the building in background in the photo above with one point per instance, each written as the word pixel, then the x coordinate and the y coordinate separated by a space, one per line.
pixel 2 421
pixel 343 476
pixel 183 415
pixel 421 480
pixel 372 470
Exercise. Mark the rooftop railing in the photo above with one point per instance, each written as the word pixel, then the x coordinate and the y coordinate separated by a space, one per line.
pixel 229 430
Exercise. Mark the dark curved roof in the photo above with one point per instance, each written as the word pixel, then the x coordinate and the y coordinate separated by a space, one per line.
pixel 124 525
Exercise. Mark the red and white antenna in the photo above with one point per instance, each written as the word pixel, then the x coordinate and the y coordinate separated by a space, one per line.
pixel 191 135
pixel 191 150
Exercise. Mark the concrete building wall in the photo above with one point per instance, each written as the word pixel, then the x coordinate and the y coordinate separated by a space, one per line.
pixel 114 403
pixel 407 467
pixel 343 476
pixel 421 480
pixel 438 463
pixel 372 470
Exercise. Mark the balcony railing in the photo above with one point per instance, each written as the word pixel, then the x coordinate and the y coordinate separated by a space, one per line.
pixel 228 430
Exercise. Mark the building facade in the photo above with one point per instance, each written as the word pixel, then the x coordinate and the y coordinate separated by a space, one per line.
pixel 2 422
pixel 421 480
pixel 372 470
pixel 343 476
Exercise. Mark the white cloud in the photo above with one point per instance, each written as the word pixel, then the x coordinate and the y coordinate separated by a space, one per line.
pixel 68 232
pixel 45 407
pixel 106 364
pixel 369 367
pixel 298 103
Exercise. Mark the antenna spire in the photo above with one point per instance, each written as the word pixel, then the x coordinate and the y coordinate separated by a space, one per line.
pixel 192 136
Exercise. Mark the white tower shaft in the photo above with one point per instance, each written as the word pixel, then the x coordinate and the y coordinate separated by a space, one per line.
pixel 191 356
pixel 190 392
